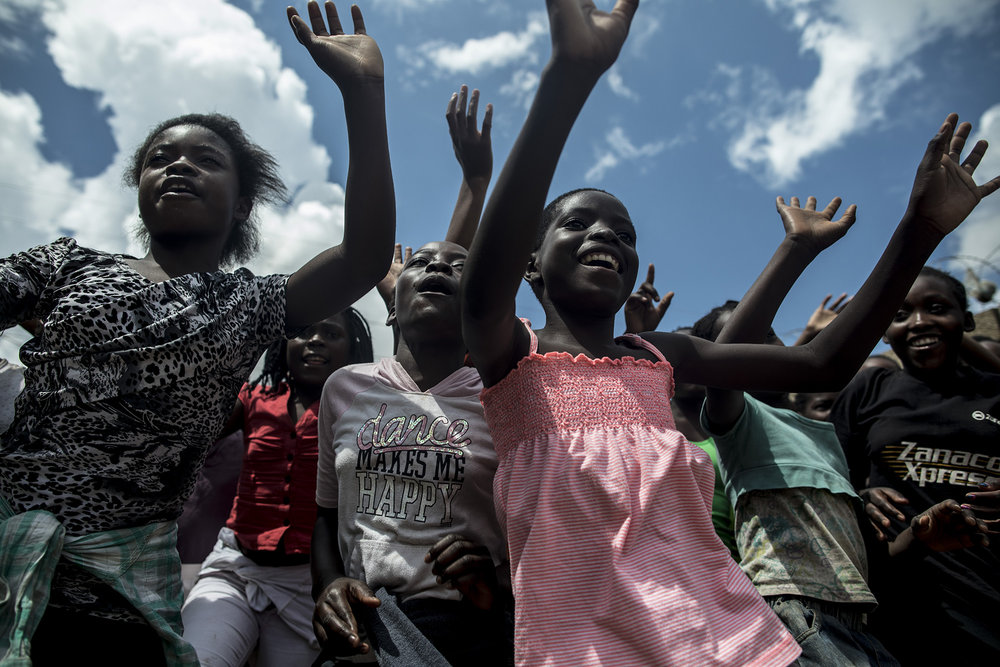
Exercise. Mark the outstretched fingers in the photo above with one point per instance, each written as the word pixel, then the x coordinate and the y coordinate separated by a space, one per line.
pixel 831 208
pixel 939 144
pixel 470 116
pixel 626 9
pixel 316 19
pixel 359 20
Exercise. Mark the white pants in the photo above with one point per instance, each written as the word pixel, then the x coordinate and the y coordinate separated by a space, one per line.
pixel 237 606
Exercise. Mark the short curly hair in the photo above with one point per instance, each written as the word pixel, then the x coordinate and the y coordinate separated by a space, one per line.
pixel 256 169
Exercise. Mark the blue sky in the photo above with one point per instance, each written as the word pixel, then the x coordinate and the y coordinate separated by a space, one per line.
pixel 714 108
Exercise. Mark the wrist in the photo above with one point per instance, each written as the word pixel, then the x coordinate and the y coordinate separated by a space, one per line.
pixel 802 247
pixel 924 225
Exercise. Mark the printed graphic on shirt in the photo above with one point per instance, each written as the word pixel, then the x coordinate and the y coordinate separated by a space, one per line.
pixel 939 465
pixel 411 466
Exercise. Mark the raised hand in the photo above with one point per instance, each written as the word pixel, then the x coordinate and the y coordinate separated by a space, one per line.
pixel 822 317
pixel 473 148
pixel 642 313
pixel 944 192
pixel 815 228
pixel 387 286
pixel 581 34
pixel 467 566
pixel 347 59
pixel 333 618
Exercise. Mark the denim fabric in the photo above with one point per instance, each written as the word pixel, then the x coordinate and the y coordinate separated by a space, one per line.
pixel 830 635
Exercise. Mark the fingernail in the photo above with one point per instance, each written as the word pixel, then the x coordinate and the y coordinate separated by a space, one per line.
pixel 971 496
pixel 983 485
pixel 966 507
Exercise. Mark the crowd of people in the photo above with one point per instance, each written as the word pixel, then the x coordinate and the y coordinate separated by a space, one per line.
pixel 491 493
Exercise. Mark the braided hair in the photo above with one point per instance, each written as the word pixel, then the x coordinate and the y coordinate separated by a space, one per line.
pixel 275 369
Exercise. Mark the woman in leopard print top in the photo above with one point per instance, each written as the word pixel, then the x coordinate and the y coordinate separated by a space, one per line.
pixel 140 360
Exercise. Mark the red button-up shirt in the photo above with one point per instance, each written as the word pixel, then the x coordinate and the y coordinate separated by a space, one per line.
pixel 276 495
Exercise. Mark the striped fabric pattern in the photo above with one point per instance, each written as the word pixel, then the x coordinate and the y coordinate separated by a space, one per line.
pixel 607 513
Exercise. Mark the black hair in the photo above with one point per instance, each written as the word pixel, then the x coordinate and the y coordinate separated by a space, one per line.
pixel 953 283
pixel 275 369
pixel 549 212
pixel 256 169
pixel 705 327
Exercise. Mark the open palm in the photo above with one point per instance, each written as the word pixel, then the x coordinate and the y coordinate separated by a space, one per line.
pixel 347 59
pixel 581 33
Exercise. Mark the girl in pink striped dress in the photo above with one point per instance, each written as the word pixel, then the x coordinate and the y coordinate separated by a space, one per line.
pixel 605 505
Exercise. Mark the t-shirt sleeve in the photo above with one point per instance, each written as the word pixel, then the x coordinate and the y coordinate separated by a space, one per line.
pixel 24 276
pixel 339 393
pixel 326 469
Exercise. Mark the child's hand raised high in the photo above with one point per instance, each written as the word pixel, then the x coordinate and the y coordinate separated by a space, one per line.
pixel 944 192
pixel 583 35
pixel 817 229
pixel 473 149
pixel 347 59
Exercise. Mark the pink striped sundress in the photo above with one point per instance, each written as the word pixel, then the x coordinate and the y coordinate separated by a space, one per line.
pixel 607 511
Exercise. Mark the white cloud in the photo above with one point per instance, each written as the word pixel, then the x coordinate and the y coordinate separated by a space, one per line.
pixel 618 86
pixel 148 62
pixel 618 149
pixel 521 87
pixel 476 55
pixel 864 50
pixel 979 235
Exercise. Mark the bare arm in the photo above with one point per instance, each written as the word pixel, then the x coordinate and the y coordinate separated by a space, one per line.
pixel 585 42
pixel 337 277
pixel 335 593
pixel 943 194
pixel 474 152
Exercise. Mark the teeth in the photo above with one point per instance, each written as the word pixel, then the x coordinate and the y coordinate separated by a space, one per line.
pixel 592 258
pixel 924 341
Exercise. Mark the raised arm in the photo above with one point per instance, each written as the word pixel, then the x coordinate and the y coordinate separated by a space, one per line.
pixel 585 42
pixel 807 233
pixel 337 277
pixel 943 195
pixel 474 152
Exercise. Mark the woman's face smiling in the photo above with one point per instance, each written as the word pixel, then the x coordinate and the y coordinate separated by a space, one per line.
pixel 318 351
pixel 189 185
pixel 926 332
pixel 588 258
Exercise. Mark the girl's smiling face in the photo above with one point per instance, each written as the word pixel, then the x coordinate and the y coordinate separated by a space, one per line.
pixel 588 258
pixel 189 186
pixel 318 351
pixel 926 332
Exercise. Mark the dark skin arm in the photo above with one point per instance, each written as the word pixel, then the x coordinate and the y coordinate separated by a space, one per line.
pixel 979 356
pixel 943 194
pixel 474 152
pixel 585 43
pixel 335 593
pixel 355 65
pixel 807 233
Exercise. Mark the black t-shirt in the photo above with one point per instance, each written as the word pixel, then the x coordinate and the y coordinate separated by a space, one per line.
pixel 930 444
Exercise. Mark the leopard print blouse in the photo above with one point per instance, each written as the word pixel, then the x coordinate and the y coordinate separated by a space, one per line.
pixel 128 384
